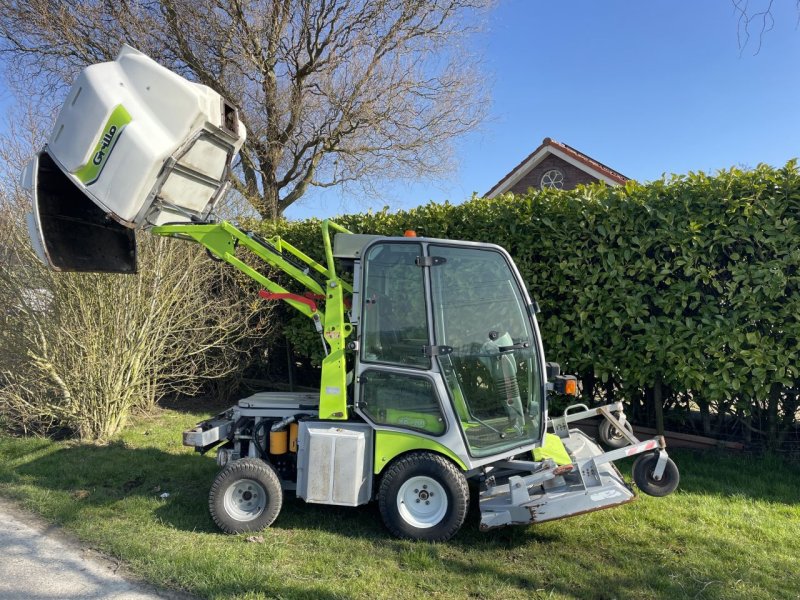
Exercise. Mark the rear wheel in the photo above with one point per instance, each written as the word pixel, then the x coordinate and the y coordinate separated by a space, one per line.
pixel 423 496
pixel 643 470
pixel 611 436
pixel 245 496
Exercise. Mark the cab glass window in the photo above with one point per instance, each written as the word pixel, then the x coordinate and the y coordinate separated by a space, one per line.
pixel 401 400
pixel 395 323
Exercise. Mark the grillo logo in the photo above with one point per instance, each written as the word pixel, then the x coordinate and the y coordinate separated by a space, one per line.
pixel 111 134
pixel 104 144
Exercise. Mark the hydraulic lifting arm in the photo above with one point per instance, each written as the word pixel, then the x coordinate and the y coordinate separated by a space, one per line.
pixel 221 240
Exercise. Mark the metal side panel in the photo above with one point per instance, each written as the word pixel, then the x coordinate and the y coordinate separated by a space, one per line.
pixel 334 463
pixel 526 498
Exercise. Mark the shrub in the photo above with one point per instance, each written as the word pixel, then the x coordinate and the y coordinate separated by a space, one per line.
pixel 79 352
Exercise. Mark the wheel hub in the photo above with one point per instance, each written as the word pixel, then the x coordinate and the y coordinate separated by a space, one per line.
pixel 245 500
pixel 422 502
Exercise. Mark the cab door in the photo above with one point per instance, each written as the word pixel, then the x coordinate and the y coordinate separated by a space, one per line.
pixel 396 387
pixel 493 357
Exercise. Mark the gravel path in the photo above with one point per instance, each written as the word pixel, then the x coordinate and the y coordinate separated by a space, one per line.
pixel 40 562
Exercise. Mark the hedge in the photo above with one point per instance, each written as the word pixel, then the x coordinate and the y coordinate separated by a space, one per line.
pixel 679 294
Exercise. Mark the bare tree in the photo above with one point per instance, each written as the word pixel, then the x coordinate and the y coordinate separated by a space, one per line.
pixel 755 19
pixel 332 92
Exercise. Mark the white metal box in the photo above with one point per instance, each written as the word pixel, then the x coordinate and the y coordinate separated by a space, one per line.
pixel 334 463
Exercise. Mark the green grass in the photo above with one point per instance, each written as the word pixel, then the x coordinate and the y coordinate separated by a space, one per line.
pixel 731 531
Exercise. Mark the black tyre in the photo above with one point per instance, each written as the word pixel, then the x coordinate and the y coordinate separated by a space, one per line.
pixel 423 496
pixel 245 496
pixel 611 436
pixel 643 470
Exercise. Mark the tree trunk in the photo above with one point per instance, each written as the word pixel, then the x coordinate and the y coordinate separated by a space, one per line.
pixel 589 382
pixel 658 405
pixel 772 415
pixel 609 390
pixel 644 400
pixel 267 202
pixel 791 403
pixel 705 417
pixel 747 432
pixel 289 363
pixel 722 410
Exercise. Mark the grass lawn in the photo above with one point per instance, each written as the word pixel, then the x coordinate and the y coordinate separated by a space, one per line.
pixel 732 530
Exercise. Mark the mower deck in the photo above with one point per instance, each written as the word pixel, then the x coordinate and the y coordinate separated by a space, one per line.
pixel 519 492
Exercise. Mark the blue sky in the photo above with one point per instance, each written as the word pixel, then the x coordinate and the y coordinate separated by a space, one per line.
pixel 646 87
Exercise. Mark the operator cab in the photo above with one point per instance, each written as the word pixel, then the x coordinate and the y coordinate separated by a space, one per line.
pixel 449 346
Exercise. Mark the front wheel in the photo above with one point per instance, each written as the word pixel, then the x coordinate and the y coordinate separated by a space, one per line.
pixel 643 470
pixel 245 496
pixel 423 496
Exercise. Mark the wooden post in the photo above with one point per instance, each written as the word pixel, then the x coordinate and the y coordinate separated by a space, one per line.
pixel 772 415
pixel 705 416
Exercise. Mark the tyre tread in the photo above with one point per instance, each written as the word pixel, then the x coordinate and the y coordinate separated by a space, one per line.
pixel 460 502
pixel 604 433
pixel 246 468
pixel 641 476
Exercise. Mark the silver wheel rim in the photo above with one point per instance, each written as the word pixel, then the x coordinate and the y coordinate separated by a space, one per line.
pixel 245 500
pixel 422 502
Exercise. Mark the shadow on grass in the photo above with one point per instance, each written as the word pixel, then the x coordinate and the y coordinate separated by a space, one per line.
pixel 102 475
pixel 91 476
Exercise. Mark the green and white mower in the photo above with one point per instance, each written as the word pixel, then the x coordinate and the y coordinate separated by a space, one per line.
pixel 434 373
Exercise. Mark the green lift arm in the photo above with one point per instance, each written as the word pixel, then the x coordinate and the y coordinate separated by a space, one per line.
pixel 221 240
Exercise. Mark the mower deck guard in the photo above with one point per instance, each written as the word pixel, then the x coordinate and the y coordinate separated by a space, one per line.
pixel 553 492
pixel 518 492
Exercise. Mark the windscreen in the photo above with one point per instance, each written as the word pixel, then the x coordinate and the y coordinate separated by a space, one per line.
pixel 493 373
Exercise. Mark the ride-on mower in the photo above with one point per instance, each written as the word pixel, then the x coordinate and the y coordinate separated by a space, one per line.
pixel 434 373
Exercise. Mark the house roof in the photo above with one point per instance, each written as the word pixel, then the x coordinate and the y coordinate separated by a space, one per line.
pixel 565 152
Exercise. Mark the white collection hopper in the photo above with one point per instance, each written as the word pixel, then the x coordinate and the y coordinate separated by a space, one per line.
pixel 135 145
